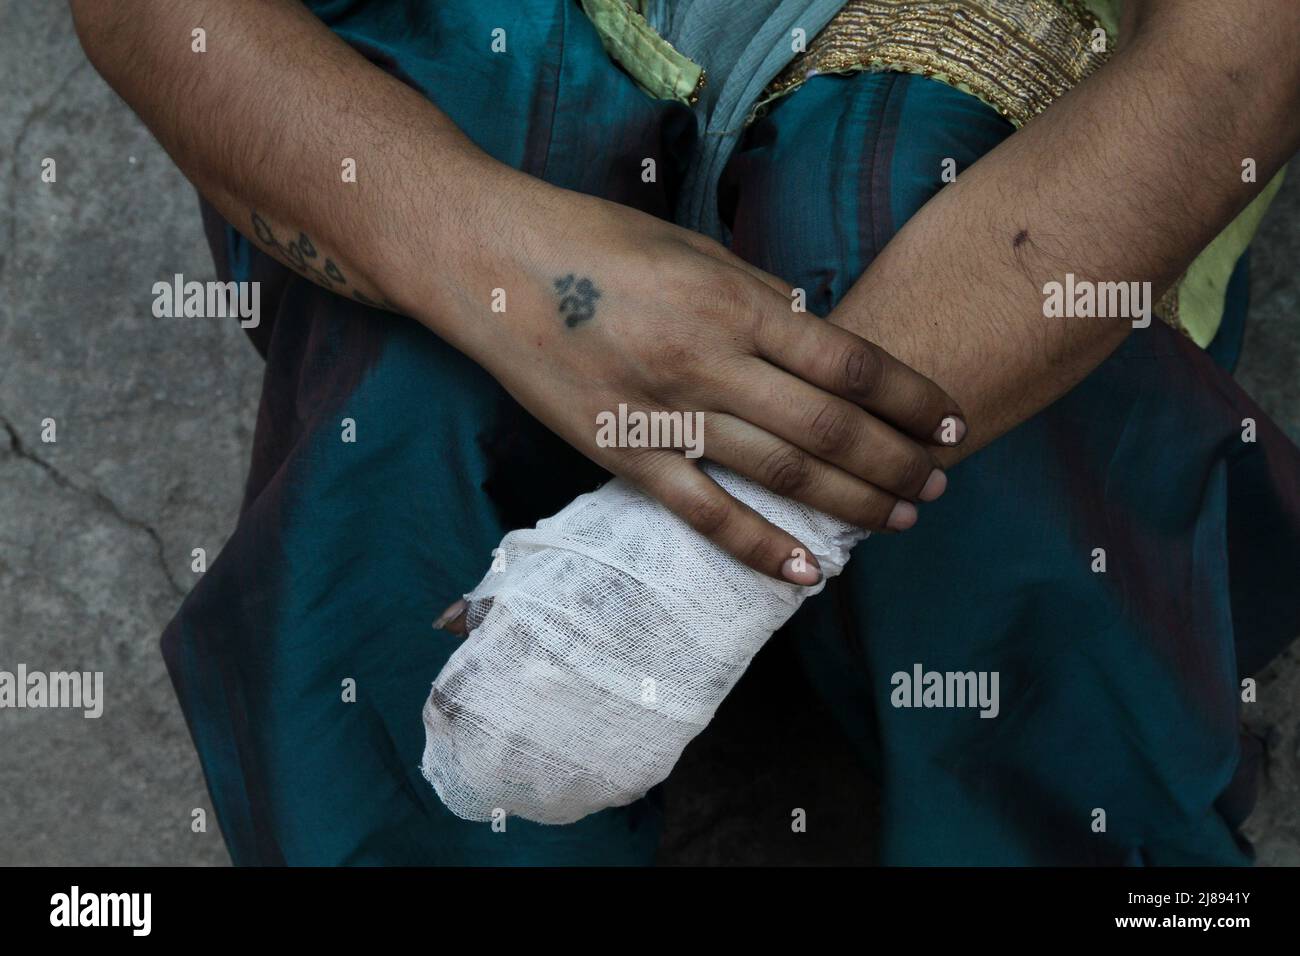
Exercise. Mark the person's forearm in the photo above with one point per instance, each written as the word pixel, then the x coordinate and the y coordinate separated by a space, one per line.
pixel 1125 178
pixel 609 307
pixel 263 123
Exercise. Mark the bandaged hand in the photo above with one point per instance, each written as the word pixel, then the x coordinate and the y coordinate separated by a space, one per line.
pixel 600 648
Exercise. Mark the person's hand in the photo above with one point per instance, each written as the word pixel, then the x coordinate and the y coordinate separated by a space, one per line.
pixel 607 306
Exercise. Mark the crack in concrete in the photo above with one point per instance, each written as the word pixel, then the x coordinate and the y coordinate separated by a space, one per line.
pixel 104 503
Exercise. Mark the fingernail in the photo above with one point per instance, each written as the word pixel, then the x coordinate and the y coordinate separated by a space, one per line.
pixel 950 431
pixel 935 485
pixel 902 517
pixel 809 575
pixel 451 614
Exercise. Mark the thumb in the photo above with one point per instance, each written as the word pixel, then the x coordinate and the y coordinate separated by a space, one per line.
pixel 463 616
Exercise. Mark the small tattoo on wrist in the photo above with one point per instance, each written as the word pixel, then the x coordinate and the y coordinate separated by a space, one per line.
pixel 577 299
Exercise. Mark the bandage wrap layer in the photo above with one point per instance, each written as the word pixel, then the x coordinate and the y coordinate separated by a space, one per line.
pixel 601 648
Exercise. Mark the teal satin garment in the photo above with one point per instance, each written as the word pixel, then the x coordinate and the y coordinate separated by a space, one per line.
pixel 1119 690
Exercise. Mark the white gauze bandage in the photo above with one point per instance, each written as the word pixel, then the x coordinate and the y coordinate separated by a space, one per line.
pixel 602 646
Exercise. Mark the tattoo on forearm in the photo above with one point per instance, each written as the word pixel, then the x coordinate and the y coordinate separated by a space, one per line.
pixel 577 299
pixel 302 256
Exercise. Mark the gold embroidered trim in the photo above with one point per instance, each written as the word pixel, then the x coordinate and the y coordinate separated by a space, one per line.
pixel 1166 309
pixel 694 96
pixel 1016 55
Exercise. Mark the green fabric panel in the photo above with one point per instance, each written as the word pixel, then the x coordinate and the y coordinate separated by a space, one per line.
pixel 651 60
pixel 1202 291
pixel 1107 14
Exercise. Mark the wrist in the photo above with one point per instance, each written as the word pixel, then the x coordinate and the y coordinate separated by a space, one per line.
pixel 462 251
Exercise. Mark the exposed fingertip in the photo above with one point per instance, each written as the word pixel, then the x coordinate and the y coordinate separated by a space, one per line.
pixel 934 486
pixel 950 431
pixel 453 619
pixel 902 517
pixel 801 570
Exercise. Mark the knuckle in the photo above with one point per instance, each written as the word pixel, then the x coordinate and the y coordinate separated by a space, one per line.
pixel 643 465
pixel 706 514
pixel 757 552
pixel 911 473
pixel 874 512
pixel 725 294
pixel 924 405
pixel 705 245
pixel 862 370
pixel 786 471
pixel 831 429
